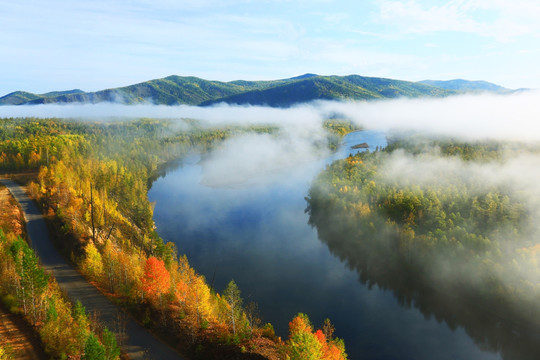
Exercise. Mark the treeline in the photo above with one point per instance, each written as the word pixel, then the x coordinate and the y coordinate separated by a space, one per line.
pixel 66 331
pixel 471 238
pixel 94 188
pixel 474 150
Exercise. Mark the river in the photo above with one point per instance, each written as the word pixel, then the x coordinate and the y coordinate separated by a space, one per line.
pixel 258 235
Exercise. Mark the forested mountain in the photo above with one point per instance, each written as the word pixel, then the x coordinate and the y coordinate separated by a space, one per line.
pixel 172 90
pixel 176 90
pixel 23 97
pixel 466 85
pixel 314 87
pixel 18 97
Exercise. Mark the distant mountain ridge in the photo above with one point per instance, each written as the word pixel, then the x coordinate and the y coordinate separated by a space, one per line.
pixel 466 85
pixel 178 90
pixel 23 97
pixel 352 87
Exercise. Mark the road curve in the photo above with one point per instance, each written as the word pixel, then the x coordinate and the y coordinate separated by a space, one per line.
pixel 137 342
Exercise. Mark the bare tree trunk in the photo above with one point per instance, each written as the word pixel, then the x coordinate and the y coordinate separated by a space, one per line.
pixel 92 213
pixel 232 317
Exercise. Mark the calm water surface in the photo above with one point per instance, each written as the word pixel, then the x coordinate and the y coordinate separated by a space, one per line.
pixel 259 236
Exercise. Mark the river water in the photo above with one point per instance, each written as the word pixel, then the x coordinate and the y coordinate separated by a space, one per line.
pixel 258 235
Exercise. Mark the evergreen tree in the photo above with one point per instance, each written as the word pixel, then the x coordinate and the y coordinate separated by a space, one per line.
pixel 93 350
pixel 112 351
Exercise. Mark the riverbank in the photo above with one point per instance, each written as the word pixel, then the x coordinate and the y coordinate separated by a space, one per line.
pixel 92 186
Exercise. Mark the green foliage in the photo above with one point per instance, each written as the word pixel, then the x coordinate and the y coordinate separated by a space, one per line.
pixel 303 344
pixel 441 231
pixel 112 351
pixel 434 215
pixel 32 280
pixel 22 97
pixel 17 98
pixel 353 87
pixel 52 314
pixel 41 302
pixel 93 350
pixel 174 90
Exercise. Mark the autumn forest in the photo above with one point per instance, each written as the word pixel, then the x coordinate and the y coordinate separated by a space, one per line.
pixel 445 226
pixel 91 182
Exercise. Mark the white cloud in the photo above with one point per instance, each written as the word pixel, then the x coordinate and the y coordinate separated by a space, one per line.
pixel 260 159
pixel 486 116
pixel 413 17
pixel 502 20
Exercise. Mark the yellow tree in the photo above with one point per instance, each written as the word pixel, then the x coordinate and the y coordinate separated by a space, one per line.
pixel 93 263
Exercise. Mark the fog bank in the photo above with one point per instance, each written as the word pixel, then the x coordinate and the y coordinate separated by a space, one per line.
pixel 483 116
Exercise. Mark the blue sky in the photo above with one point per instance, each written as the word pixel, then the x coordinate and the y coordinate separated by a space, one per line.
pixel 50 45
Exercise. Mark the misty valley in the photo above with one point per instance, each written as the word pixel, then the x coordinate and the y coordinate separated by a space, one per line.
pixel 449 227
pixel 263 228
pixel 304 240
pixel 270 180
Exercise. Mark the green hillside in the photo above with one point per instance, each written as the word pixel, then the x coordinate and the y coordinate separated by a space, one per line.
pixel 60 93
pixel 17 98
pixel 312 88
pixel 172 90
pixel 23 97
pixel 177 90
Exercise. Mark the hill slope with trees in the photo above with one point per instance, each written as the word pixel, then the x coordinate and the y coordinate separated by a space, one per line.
pixel 92 186
pixel 178 90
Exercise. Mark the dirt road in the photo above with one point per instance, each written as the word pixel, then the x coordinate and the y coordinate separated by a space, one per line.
pixel 18 339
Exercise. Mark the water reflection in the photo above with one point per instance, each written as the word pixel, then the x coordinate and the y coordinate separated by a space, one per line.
pixel 513 338
pixel 494 326
pixel 259 236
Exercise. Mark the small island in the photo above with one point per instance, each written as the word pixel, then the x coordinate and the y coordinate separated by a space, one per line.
pixel 360 146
